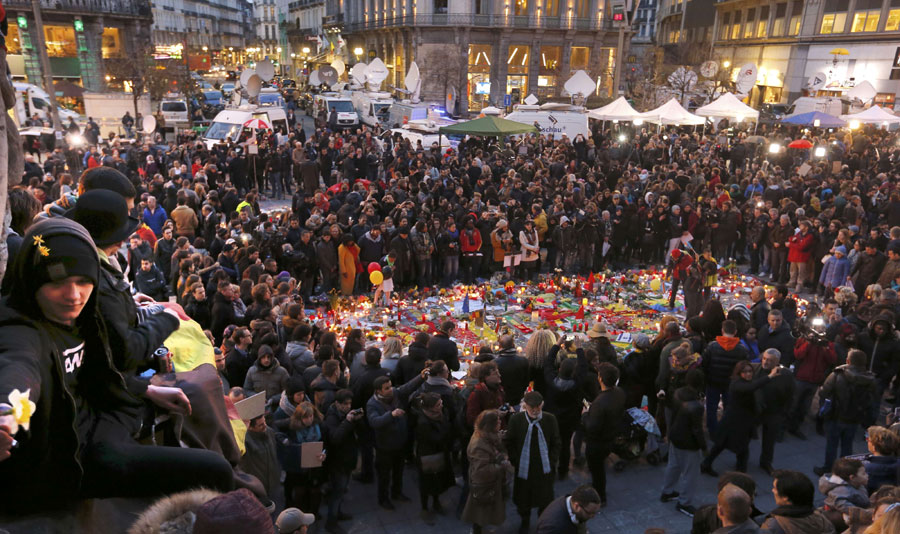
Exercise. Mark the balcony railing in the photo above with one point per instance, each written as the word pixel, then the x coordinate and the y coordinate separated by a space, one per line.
pixel 482 21
pixel 112 7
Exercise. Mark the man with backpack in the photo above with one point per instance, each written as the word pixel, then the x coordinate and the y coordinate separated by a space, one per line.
pixel 847 398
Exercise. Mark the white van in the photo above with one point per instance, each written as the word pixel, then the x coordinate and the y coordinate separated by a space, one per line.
pixel 373 108
pixel 229 124
pixel 346 114
pixel 554 120
pixel 427 132
pixel 824 104
pixel 32 100
pixel 404 111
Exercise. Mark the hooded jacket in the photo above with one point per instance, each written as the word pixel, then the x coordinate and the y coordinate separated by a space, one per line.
pixel 839 388
pixel 45 469
pixel 271 380
pixel 412 364
pixel 883 352
pixel 719 360
pixel 840 495
pixel 300 356
pixel 797 520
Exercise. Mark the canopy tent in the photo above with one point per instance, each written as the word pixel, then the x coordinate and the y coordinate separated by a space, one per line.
pixel 488 126
pixel 617 110
pixel 728 106
pixel 809 119
pixel 671 113
pixel 873 115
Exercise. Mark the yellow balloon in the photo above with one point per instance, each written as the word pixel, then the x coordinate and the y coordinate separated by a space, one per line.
pixel 376 277
pixel 655 284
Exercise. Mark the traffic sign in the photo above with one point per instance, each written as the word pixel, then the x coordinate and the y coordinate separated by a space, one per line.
pixel 507 100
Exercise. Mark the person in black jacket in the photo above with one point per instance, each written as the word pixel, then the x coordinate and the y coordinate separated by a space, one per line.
pixel 564 400
pixel 222 313
pixel 440 347
pixel 514 371
pixel 718 363
pixel 772 399
pixel 583 504
pixel 777 335
pixel 150 281
pixel 402 249
pixel 759 312
pixel 686 439
pixel 409 366
pixel 341 424
pixel 601 424
pixel 197 307
pixel 361 383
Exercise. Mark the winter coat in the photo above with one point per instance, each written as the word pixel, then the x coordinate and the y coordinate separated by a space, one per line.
pixel 198 310
pixel 800 247
pixel 562 397
pixel 327 254
pixel 371 249
pixel 323 391
pixel 884 352
pixel 222 315
pixel 840 495
pixel 422 244
pixel 813 360
pixel 272 379
pixel 46 467
pixel 342 442
pixel 514 374
pixel 797 520
pixel 390 432
pixel 440 347
pixel 719 360
pixel 482 398
pixel 348 259
pixel 604 418
pixel 151 283
pixel 867 270
pixel 839 387
pixel 774 395
pixel 261 459
pixel 890 273
pixel 300 356
pixel 186 221
pixel 882 470
pixel 686 429
pixel 487 478
pixel 362 383
pixel 536 491
pixel 409 366
pixel 835 272
pixel 738 423
pixel 759 314
pixel 435 437
pixel 780 339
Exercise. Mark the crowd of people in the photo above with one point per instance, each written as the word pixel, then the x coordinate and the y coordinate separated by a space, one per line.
pixel 114 245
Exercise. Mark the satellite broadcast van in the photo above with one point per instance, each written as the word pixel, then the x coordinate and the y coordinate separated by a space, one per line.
pixel 346 114
pixel 824 104
pixel 32 100
pixel 373 108
pixel 554 120
pixel 229 124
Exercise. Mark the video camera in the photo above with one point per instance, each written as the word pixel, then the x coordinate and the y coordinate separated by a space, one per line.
pixel 813 329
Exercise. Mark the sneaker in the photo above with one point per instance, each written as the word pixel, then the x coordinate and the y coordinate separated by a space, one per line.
pixel 666 497
pixel 686 509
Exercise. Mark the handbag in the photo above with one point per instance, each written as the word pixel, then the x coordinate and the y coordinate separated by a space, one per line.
pixel 433 463
pixel 483 493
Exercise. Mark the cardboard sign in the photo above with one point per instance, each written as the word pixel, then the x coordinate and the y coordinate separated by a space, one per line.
pixel 251 407
pixel 309 454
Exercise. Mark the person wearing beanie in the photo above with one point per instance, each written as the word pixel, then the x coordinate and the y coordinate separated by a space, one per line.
pixel 293 395
pixel 835 272
pixel 57 373
pixel 236 512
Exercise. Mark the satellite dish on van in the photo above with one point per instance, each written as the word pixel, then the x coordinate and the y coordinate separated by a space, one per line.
pixel 376 73
pixel 863 91
pixel 817 81
pixel 245 76
pixel 314 79
pixel 746 78
pixel 413 82
pixel 709 69
pixel 149 124
pixel 531 100
pixel 580 85
pixel 236 97
pixel 328 75
pixel 254 85
pixel 358 73
pixel 265 69
pixel 339 66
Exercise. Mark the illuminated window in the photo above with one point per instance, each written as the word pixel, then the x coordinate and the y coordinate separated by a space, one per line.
pixel 517 59
pixel 835 16
pixel 550 59
pixel 796 16
pixel 736 27
pixel 865 21
pixel 749 27
pixel 763 23
pixel 582 8
pixel 551 8
pixel 581 56
pixel 521 8
pixel 778 24
pixel 892 24
pixel 112 43
pixel 480 58
pixel 13 44
pixel 60 41
pixel 726 23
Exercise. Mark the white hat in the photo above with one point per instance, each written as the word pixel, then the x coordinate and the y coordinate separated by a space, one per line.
pixel 292 519
pixel 564 219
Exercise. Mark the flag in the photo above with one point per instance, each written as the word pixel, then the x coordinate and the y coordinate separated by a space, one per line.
pixel 580 313
pixel 590 283
pixel 465 306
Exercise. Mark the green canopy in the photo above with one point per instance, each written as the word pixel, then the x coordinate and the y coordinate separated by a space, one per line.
pixel 488 126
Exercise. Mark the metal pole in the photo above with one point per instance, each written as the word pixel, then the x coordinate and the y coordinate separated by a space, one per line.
pixel 619 53
pixel 41 47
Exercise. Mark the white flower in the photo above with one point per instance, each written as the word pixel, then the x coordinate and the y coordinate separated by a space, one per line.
pixel 23 407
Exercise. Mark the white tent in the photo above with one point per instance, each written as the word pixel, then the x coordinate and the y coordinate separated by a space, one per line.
pixel 873 115
pixel 617 110
pixel 729 107
pixel 672 114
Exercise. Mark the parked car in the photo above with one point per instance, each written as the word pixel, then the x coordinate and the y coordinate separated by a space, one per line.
pixel 771 113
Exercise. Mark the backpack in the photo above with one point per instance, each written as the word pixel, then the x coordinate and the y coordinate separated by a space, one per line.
pixel 859 407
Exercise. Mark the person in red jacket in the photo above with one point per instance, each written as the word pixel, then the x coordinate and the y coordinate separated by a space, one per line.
pixel 800 246
pixel 680 264
pixel 813 357
pixel 470 245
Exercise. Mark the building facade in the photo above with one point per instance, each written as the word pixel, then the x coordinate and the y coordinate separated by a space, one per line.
pixel 265 15
pixel 301 27
pixel 208 32
pixel 681 21
pixel 792 40
pixel 78 35
pixel 473 53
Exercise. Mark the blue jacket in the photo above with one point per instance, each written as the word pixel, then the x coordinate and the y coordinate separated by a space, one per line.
pixel 835 272
pixel 390 432
pixel 156 220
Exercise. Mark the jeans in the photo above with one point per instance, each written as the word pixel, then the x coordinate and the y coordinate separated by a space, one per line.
pixel 836 432
pixel 470 266
pixel 684 465
pixel 799 275
pixel 275 184
pixel 451 269
pixel 803 396
pixel 596 459
pixel 423 272
pixel 389 473
pixel 338 480
pixel 712 406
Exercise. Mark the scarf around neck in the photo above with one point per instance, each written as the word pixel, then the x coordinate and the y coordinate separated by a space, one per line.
pixel 525 457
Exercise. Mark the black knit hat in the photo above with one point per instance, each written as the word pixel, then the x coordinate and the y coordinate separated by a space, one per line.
pixel 58 257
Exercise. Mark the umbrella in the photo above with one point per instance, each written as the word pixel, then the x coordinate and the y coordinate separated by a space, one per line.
pixel 258 124
pixel 839 52
pixel 756 140
pixel 800 143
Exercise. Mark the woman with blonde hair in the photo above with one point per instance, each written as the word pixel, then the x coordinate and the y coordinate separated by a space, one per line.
pixel 302 485
pixel 888 522
pixel 391 353
pixel 488 468
pixel 536 351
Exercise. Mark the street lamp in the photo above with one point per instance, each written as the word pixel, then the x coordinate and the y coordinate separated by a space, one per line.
pixel 306 50
pixel 205 48
pixel 726 63
pixel 358 51
pixel 820 152
pixel 774 148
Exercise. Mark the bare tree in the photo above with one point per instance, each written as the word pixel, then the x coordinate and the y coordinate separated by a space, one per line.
pixel 443 69
pixel 143 74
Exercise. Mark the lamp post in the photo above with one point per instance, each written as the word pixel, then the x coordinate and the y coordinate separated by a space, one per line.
pixel 358 52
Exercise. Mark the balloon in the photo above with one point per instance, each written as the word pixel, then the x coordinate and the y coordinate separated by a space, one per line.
pixel 387 271
pixel 655 284
pixel 376 277
pixel 374 266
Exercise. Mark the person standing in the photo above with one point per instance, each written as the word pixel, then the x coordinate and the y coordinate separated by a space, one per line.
pixel 719 360
pixel 777 335
pixel 441 347
pixel 813 357
pixel 434 443
pixel 774 396
pixel 686 440
pixel 533 442
pixel 601 422
pixel 800 246
pixel 341 426
pixel 488 470
pixel 513 369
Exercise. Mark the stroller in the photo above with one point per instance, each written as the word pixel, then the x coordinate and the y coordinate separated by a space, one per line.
pixel 638 436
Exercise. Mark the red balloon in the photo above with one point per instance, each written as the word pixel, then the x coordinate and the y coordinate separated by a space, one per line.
pixel 374 266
